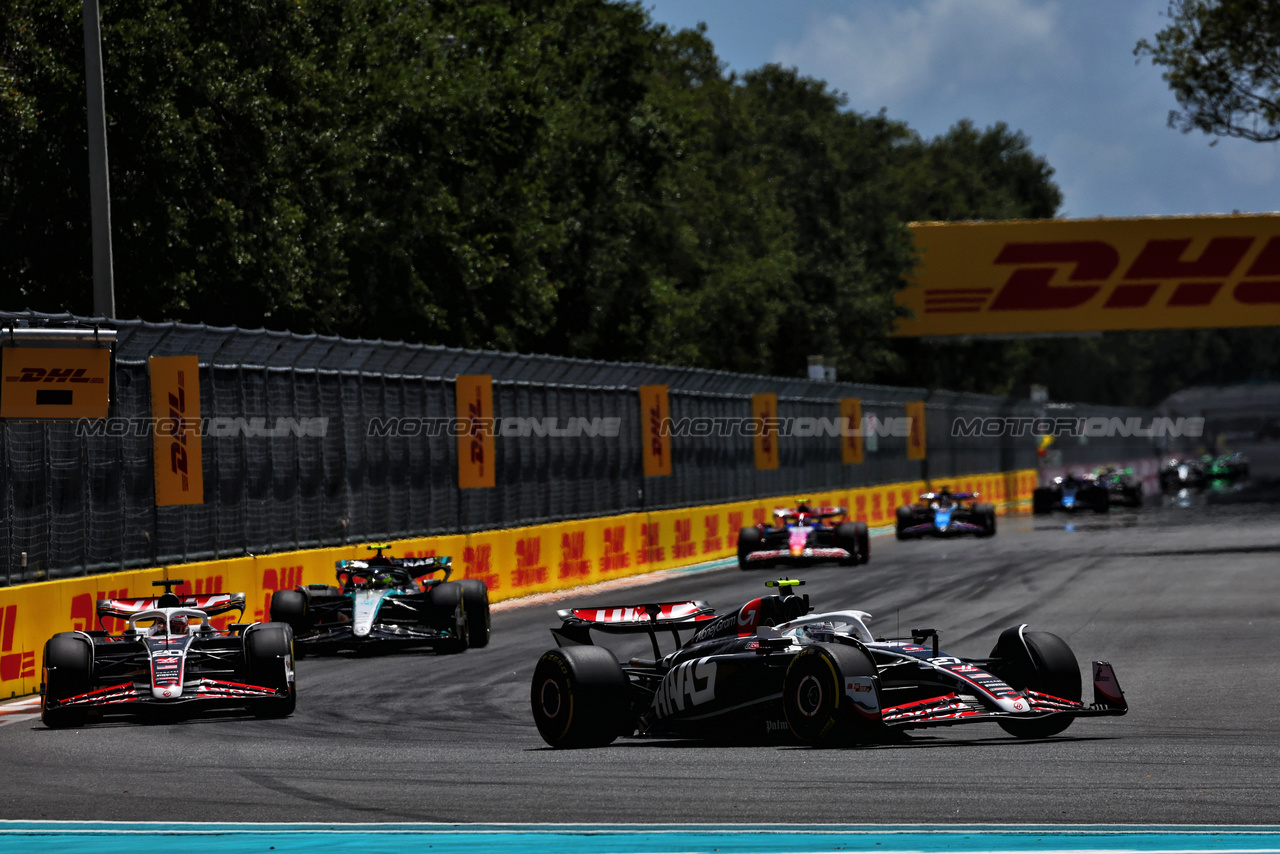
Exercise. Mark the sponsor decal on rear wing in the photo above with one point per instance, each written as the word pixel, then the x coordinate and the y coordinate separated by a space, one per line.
pixel 212 604
pixel 578 623
pixel 644 615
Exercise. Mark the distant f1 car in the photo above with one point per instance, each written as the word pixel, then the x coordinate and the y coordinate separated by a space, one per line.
pixel 1123 489
pixel 170 658
pixel 805 535
pixel 1069 494
pixel 944 514
pixel 387 602
pixel 1178 474
pixel 772 669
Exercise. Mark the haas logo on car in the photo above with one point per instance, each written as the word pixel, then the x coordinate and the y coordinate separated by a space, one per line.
pixel 690 684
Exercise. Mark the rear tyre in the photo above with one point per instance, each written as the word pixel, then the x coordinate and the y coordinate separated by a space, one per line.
pixel 1046 664
pixel 986 514
pixel 749 540
pixel 68 663
pixel 290 606
pixel 269 650
pixel 580 697
pixel 475 596
pixel 853 538
pixel 449 614
pixel 1100 499
pixel 1042 501
pixel 818 710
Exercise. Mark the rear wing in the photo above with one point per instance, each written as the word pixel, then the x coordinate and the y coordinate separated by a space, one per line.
pixel 814 512
pixel 417 567
pixel 650 618
pixel 212 604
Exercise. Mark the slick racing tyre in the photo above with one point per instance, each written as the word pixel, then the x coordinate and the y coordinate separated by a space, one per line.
pixel 68 663
pixel 269 650
pixel 749 540
pixel 986 517
pixel 906 518
pixel 580 697
pixel 854 538
pixel 289 606
pixel 1099 498
pixel 448 608
pixel 475 596
pixel 1042 501
pixel 818 709
pixel 1046 664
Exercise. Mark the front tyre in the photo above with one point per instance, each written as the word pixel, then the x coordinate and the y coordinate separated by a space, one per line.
pixel 1044 664
pixel 818 710
pixel 268 648
pixel 68 668
pixel 580 697
pixel 475 596
pixel 448 608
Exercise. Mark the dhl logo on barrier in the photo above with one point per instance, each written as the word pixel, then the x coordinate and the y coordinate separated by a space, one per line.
pixel 1094 275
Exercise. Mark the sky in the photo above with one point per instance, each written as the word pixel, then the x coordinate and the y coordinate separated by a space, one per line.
pixel 1061 71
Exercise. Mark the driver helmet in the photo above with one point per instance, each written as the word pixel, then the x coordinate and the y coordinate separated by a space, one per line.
pixel 803 507
pixel 178 624
pixel 944 496
pixel 157 628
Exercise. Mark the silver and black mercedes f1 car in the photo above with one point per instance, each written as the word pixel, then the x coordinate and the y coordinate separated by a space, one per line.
pixel 387 602
pixel 804 535
pixel 169 660
pixel 771 668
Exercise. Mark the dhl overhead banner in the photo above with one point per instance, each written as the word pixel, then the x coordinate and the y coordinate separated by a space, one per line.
pixel 1038 276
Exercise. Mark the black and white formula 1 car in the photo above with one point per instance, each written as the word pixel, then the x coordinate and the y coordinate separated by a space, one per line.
pixel 805 535
pixel 387 602
pixel 946 514
pixel 168 660
pixel 772 669
pixel 1069 494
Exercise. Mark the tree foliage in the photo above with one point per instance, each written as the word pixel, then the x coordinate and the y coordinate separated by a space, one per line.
pixel 1222 62
pixel 564 177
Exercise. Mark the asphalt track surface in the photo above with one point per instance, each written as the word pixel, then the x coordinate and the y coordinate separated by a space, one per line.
pixel 1182 601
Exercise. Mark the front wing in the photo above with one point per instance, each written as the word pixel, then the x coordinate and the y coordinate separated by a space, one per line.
pixel 343 636
pixel 809 555
pixel 952 708
pixel 203 692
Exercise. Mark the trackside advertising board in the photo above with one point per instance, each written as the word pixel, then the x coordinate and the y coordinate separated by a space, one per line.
pixel 1037 276
pixel 54 382
pixel 513 563
pixel 175 412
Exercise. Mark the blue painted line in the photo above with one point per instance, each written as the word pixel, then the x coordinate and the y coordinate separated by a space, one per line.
pixel 95 837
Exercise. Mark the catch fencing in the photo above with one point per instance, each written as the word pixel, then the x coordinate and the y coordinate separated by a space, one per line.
pixel 317 441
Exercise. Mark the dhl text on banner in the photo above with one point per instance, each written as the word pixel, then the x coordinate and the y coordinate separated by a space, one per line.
pixel 764 414
pixel 175 413
pixel 1038 276
pixel 54 382
pixel 655 413
pixel 475 443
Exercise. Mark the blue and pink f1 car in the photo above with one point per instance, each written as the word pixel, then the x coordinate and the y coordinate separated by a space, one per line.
pixel 946 514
